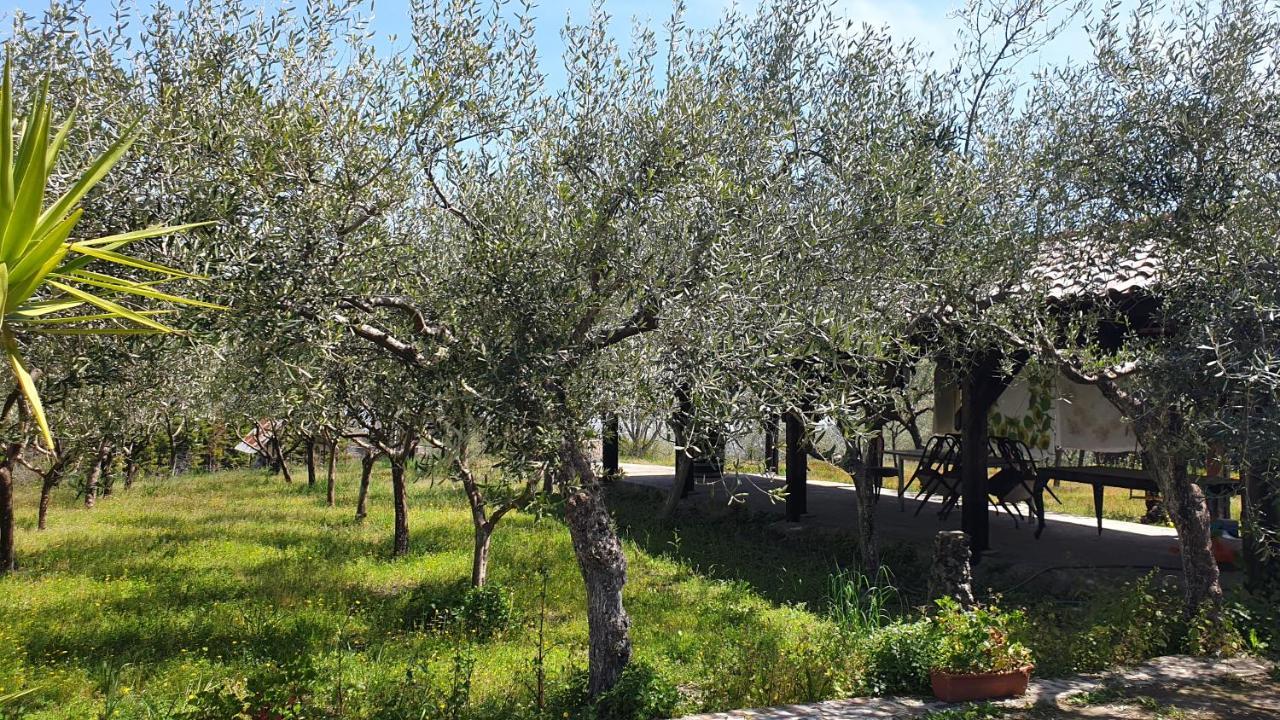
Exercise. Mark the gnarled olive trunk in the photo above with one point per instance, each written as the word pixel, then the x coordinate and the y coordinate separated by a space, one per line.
pixel 130 466
pixel 480 554
pixel 1185 502
pixel 95 474
pixel 48 481
pixel 400 498
pixel 8 560
pixel 864 489
pixel 1160 430
pixel 108 480
pixel 281 462
pixel 366 471
pixel 603 566
pixel 311 461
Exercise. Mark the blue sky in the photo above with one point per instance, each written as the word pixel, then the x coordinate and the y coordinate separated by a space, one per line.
pixel 927 21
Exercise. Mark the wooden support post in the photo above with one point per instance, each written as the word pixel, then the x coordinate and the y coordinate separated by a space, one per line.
pixel 974 519
pixel 609 444
pixel 982 385
pixel 771 445
pixel 797 468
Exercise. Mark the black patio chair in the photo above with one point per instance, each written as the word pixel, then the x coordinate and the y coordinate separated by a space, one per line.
pixel 953 496
pixel 1017 481
pixel 938 473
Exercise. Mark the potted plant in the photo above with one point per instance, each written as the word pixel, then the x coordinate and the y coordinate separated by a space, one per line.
pixel 976 658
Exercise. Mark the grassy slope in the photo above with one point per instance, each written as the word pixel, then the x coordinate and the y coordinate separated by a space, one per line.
pixel 180 584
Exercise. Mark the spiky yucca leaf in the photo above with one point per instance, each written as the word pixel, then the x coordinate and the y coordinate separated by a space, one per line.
pixel 42 275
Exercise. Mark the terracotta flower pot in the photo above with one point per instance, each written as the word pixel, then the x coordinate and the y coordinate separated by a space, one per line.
pixel 957 687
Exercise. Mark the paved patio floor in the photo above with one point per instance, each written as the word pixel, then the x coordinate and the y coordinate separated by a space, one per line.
pixel 1168 687
pixel 1068 540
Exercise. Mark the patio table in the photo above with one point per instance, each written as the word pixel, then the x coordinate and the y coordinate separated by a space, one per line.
pixel 900 458
pixel 1101 477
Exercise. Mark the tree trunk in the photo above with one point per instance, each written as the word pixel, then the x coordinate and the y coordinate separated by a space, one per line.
pixel 329 470
pixel 172 434
pixel 1184 500
pixel 864 489
pixel 130 467
pixel 400 498
pixel 281 461
pixel 684 468
pixel 917 440
pixel 50 481
pixel 480 555
pixel 108 480
pixel 603 566
pixel 311 461
pixel 366 471
pixel 8 561
pixel 1159 429
pixel 95 474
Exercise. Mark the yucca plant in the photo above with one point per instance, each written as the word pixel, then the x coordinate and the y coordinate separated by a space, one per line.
pixel 46 286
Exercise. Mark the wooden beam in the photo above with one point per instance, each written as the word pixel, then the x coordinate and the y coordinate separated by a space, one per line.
pixel 797 468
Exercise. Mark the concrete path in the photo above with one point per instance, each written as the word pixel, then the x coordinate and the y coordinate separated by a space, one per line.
pixel 1068 540
pixel 1255 696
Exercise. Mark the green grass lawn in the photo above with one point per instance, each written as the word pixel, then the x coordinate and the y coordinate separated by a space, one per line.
pixel 203 596
pixel 169 599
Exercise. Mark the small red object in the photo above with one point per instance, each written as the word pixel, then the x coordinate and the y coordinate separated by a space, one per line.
pixel 956 687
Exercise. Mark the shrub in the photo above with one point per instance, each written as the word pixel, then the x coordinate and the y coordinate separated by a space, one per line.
pixel 641 693
pixel 1207 636
pixel 978 640
pixel 480 613
pixel 1258 619
pixel 896 659
pixel 1125 626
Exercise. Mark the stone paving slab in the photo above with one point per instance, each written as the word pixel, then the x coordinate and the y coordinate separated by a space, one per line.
pixel 1164 672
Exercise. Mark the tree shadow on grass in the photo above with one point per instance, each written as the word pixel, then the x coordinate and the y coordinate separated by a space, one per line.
pixel 736 545
pixel 152 592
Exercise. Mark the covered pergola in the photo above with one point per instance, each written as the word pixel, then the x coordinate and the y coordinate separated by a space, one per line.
pixel 1075 279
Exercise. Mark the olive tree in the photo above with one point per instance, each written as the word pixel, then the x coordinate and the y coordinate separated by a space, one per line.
pixel 1165 143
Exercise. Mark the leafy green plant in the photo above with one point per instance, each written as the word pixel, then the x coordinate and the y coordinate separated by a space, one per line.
pixel 641 693
pixel 1122 625
pixel 861 604
pixel 479 613
pixel 979 640
pixel 897 658
pixel 44 280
